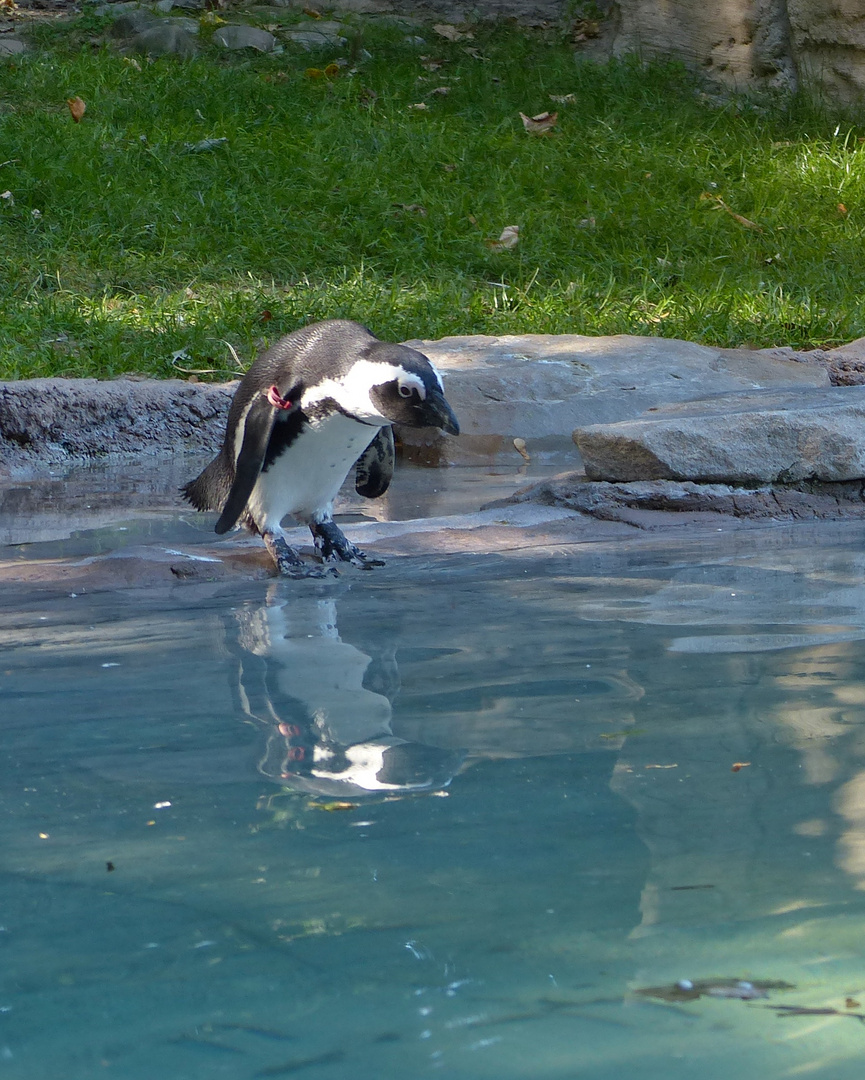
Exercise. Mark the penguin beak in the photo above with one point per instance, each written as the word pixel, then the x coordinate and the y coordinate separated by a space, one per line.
pixel 437 413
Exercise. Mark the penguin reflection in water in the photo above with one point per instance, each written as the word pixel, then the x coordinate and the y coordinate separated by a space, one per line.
pixel 319 401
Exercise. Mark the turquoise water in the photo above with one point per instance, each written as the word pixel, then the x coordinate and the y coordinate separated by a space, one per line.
pixel 443 819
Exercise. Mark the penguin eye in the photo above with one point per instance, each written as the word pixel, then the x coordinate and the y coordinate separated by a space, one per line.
pixel 404 391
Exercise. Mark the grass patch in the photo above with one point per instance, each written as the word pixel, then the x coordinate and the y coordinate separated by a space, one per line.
pixel 120 248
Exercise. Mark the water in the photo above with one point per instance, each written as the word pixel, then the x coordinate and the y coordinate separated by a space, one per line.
pixel 443 819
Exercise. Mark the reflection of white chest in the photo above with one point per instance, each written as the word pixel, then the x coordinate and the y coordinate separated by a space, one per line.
pixel 308 475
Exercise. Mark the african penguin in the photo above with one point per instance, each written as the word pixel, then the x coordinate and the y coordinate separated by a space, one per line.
pixel 319 401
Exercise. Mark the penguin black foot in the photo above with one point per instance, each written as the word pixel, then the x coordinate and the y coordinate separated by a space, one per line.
pixel 331 542
pixel 288 562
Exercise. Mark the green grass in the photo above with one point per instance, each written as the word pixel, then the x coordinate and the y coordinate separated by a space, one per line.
pixel 122 248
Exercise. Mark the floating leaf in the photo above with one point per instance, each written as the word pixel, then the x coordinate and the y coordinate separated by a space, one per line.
pixel 509 239
pixel 737 765
pixel 77 108
pixel 331 807
pixel 541 124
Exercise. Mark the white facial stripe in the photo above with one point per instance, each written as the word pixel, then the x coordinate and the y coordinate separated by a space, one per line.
pixel 352 391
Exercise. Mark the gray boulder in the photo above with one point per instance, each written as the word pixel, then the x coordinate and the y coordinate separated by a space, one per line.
pixel 318 35
pixel 765 436
pixel 540 387
pixel 166 39
pixel 11 46
pixel 244 37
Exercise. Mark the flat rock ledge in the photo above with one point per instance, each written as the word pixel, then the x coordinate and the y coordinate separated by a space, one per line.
pixel 763 436
pixel 537 387
pixel 647 504
pixel 46 423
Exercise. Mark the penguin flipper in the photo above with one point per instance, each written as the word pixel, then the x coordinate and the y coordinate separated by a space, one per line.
pixel 257 430
pixel 374 469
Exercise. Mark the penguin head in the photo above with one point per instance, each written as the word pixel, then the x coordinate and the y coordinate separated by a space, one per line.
pixel 388 384
pixel 408 389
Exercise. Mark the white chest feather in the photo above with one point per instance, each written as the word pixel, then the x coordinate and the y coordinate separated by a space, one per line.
pixel 305 478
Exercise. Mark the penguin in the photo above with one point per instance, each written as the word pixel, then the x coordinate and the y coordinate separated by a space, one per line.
pixel 319 401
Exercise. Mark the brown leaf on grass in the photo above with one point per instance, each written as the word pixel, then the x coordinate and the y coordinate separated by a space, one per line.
pixel 442 91
pixel 474 53
pixel 542 124
pixel 76 108
pixel 842 209
pixel 708 196
pixel 430 64
pixel 411 208
pixel 564 99
pixel 419 106
pixel 450 32
pixel 509 239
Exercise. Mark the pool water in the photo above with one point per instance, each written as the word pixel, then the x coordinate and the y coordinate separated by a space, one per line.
pixel 449 818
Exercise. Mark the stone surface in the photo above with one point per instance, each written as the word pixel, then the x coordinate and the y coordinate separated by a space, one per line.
pixel 167 39
pixel 538 387
pixel 739 42
pixel 46 422
pixel 11 46
pixel 244 37
pixel 533 387
pixel 763 436
pixel 317 35
pixel 752 43
pixel 646 504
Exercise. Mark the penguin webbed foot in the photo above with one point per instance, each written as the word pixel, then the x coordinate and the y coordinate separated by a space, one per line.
pixel 288 562
pixel 331 543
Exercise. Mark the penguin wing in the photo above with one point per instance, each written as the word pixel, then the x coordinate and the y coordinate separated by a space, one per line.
pixel 374 469
pixel 257 430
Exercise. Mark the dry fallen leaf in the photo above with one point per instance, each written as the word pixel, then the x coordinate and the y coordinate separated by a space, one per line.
pixel 520 447
pixel 564 99
pixel 450 32
pixel 312 13
pixel 330 807
pixel 76 108
pixel 432 65
pixel 541 124
pixel 412 208
pixel 509 239
pixel 737 765
pixel 708 196
pixel 442 90
pixel 419 106
pixel 842 209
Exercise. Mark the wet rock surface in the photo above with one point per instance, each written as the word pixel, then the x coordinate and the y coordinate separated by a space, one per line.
pixel 45 423
pixel 144 438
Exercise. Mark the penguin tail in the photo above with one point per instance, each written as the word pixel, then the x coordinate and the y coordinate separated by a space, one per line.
pixel 210 489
